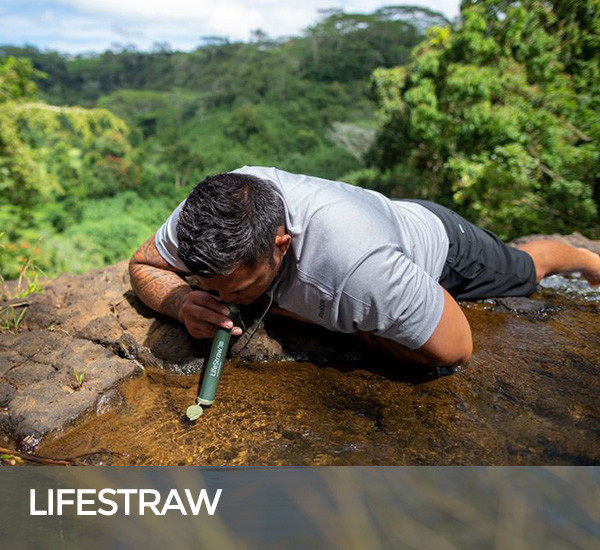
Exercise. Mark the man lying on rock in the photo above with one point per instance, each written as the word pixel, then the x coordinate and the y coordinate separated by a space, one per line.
pixel 343 257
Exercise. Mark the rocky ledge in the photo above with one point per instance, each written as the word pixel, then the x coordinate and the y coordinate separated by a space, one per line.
pixel 82 336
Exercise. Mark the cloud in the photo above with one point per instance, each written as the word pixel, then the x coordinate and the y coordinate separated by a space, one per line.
pixel 83 25
pixel 236 18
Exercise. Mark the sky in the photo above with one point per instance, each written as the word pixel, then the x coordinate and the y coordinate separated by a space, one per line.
pixel 79 26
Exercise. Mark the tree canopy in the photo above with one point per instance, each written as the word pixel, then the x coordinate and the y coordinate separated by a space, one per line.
pixel 499 116
pixel 115 140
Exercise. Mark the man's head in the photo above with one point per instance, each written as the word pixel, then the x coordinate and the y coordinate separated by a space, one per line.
pixel 231 234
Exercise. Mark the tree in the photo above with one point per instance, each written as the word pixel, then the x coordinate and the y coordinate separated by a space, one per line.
pixel 495 117
pixel 16 79
pixel 347 46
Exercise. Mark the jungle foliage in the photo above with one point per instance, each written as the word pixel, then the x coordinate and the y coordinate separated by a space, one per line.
pixel 117 139
pixel 498 117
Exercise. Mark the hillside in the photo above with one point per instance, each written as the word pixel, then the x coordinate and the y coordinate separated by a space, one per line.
pixel 302 104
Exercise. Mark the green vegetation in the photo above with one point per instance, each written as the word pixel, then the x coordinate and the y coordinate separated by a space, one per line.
pixel 78 378
pixel 497 117
pixel 11 320
pixel 82 187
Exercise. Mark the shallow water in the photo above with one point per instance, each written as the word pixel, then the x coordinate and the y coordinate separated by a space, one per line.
pixel 571 286
pixel 529 396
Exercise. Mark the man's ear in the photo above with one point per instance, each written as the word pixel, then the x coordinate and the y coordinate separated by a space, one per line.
pixel 283 242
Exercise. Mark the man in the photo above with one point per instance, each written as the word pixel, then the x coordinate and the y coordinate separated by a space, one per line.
pixel 343 257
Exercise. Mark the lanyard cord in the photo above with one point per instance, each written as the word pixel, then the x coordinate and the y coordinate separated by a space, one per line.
pixel 270 294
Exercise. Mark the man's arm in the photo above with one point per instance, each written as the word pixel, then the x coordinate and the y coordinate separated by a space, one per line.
pixel 155 282
pixel 450 344
pixel 161 287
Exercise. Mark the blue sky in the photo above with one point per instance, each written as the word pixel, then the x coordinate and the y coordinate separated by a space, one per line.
pixel 77 26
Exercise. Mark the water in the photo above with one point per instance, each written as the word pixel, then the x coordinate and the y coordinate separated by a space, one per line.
pixel 571 286
pixel 528 396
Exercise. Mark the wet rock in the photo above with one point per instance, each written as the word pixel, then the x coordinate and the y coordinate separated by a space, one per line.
pixel 526 306
pixel 256 345
pixel 108 401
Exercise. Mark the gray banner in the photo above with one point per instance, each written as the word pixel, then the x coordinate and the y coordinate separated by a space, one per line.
pixel 350 508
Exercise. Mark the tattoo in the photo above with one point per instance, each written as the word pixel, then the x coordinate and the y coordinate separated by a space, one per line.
pixel 155 282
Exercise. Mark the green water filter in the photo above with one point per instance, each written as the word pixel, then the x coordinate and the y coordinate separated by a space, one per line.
pixel 212 370
pixel 214 366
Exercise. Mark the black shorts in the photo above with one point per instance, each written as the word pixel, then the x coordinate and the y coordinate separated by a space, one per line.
pixel 479 265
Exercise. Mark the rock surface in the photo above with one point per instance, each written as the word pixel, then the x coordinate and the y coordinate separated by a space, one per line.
pixel 299 394
pixel 94 325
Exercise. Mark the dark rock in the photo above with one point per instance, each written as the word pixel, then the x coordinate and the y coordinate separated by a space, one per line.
pixel 7 392
pixel 41 315
pixel 4 421
pixel 7 339
pixel 103 330
pixel 525 306
pixel 44 346
pixel 8 359
pixel 52 403
pixel 169 341
pixel 257 345
pixel 28 373
pixel 47 406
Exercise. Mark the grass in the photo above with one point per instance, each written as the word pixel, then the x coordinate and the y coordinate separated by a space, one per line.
pixel 12 320
pixel 29 280
pixel 78 376
pixel 27 283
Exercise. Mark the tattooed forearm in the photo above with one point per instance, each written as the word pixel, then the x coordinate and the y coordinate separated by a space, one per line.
pixel 163 291
pixel 155 282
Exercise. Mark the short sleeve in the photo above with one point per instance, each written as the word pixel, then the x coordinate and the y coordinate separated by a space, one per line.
pixel 166 240
pixel 386 293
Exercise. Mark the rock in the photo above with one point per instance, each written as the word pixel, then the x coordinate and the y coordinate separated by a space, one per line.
pixel 7 360
pixel 255 344
pixel 7 392
pixel 103 330
pixel 46 406
pixel 51 402
pixel 94 325
pixel 525 306
pixel 28 373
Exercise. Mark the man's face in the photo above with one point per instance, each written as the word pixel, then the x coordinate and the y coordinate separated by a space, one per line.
pixel 245 283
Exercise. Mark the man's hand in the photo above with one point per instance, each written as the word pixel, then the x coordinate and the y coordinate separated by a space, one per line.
pixel 202 313
pixel 162 288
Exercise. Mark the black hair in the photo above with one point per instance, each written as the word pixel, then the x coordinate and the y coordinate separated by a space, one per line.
pixel 227 221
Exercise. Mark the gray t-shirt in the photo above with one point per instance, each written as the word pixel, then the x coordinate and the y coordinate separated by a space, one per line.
pixel 358 260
